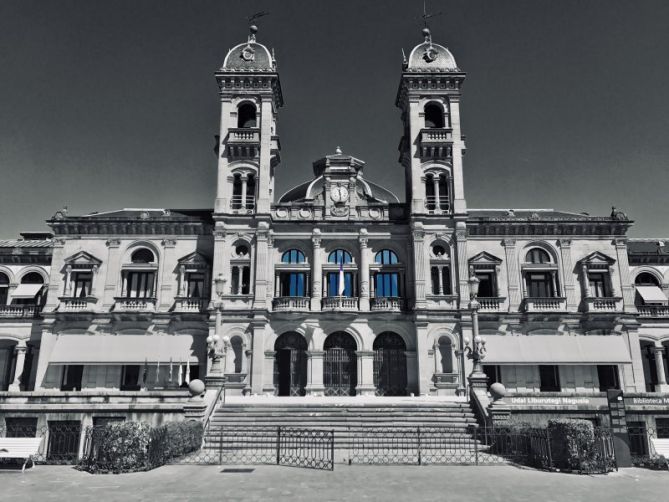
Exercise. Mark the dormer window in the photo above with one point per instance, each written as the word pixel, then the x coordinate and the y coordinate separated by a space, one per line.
pixel 246 116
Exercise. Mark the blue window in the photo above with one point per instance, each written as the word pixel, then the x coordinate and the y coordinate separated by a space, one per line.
pixel 386 257
pixel 340 257
pixel 387 284
pixel 333 284
pixel 293 256
pixel 294 284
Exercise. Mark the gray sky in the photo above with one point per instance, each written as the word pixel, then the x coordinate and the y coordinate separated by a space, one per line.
pixel 113 104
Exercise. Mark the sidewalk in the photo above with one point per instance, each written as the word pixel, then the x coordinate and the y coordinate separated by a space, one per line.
pixel 382 483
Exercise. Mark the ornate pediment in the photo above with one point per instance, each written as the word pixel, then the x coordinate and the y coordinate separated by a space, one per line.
pixel 598 259
pixel 194 260
pixel 82 259
pixel 484 259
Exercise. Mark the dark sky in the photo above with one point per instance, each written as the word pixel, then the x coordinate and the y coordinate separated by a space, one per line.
pixel 113 104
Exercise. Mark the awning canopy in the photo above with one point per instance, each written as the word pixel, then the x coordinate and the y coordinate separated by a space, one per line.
pixel 126 349
pixel 24 291
pixel 652 294
pixel 556 349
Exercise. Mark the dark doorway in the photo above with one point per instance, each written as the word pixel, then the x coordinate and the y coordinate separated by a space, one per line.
pixel 290 365
pixel 390 365
pixel 340 365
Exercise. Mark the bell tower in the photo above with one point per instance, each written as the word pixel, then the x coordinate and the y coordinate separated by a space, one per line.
pixel 432 146
pixel 248 147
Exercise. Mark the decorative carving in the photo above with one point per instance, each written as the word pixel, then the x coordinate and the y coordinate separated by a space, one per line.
pixel 339 211
pixel 282 212
pixel 305 212
pixel 169 243
pixel 113 243
pixel 248 53
pixel 617 214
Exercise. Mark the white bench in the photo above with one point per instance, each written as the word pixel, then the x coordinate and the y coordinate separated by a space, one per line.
pixel 661 447
pixel 25 448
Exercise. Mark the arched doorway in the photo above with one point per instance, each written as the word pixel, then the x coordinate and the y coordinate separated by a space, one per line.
pixel 340 369
pixel 290 365
pixel 7 349
pixel 390 365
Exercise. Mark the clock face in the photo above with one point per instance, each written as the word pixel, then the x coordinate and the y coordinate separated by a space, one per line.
pixel 339 193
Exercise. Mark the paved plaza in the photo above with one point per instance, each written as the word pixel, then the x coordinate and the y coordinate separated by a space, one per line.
pixel 384 483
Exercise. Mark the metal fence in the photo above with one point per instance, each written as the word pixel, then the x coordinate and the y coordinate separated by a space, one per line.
pixel 61 440
pixel 641 445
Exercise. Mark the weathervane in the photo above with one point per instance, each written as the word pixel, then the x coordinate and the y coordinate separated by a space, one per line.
pixel 427 15
pixel 253 28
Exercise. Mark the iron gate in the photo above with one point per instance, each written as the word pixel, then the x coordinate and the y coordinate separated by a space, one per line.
pixel 290 365
pixel 340 375
pixel 390 365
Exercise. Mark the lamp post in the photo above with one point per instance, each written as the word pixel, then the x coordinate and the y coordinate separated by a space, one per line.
pixel 475 351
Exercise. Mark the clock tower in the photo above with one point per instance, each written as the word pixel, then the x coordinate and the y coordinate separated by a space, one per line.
pixel 341 176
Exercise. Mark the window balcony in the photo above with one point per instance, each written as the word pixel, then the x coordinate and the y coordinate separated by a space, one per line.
pixel 437 205
pixel 340 303
pixel 72 304
pixel 241 204
pixel 19 311
pixel 436 143
pixel 185 304
pixel 490 304
pixel 445 302
pixel 243 143
pixel 653 310
pixel 387 304
pixel 603 304
pixel 124 304
pixel 557 304
pixel 291 303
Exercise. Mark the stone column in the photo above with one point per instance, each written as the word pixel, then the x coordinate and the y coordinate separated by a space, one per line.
pixel 68 281
pixel 263 180
pixel 20 349
pixel 568 275
pixel 659 366
pixel 316 272
pixel 418 235
pixel 166 281
pixel 463 263
pixel 365 385
pixel 364 270
pixel 245 179
pixel 315 385
pixel 512 274
pixel 625 278
pixel 256 379
pixel 260 293
pixel 113 275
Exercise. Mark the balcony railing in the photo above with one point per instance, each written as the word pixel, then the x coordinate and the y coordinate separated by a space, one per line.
pixel 437 205
pixel 288 303
pixel 558 304
pixel 387 303
pixel 72 304
pixel 490 303
pixel 653 311
pixel 237 202
pixel 436 143
pixel 244 143
pixel 603 304
pixel 124 304
pixel 184 304
pixel 340 303
pixel 19 311
pixel 244 135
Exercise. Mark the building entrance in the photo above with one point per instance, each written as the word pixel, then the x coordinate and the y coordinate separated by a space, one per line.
pixel 390 365
pixel 290 365
pixel 340 368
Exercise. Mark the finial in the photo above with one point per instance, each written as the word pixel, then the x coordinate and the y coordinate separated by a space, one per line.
pixel 426 28
pixel 338 150
pixel 253 29
pixel 427 35
pixel 404 57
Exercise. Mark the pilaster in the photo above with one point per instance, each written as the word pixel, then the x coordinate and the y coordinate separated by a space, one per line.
pixel 315 385
pixel 364 270
pixel 625 277
pixel 512 273
pixel 568 275
pixel 365 385
pixel 463 263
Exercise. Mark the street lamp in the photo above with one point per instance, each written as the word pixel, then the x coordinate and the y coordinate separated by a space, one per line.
pixel 476 351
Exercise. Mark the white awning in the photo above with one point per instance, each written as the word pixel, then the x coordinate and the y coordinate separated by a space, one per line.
pixel 126 349
pixel 24 291
pixel 556 349
pixel 652 294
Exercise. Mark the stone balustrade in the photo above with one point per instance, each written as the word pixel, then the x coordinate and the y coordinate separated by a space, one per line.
pixel 343 303
pixel 124 304
pixel 387 303
pixel 19 311
pixel 653 311
pixel 557 304
pixel 291 303
pixel 490 304
pixel 183 304
pixel 601 304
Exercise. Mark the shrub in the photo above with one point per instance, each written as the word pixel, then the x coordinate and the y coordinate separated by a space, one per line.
pixel 572 444
pixel 136 446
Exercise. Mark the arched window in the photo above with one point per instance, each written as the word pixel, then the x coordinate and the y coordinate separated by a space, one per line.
pixel 386 257
pixel 32 278
pixel 537 256
pixel 142 256
pixel 246 116
pixel 237 350
pixel 250 191
pixel 646 279
pixel 387 278
pixel 236 202
pixel 437 192
pixel 440 271
pixel 240 270
pixel 434 116
pixel 445 354
pixel 4 288
pixel 29 292
pixel 340 257
pixel 292 256
pixel 140 282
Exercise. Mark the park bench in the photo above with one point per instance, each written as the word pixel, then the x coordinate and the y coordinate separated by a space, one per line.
pixel 661 447
pixel 25 448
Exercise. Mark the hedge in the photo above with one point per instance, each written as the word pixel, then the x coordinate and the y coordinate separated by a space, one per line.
pixel 573 444
pixel 136 446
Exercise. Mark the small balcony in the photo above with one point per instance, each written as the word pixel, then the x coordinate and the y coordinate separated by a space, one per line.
pixel 124 304
pixel 184 304
pixel 557 304
pixel 19 311
pixel 490 304
pixel 291 303
pixel 436 143
pixel 72 304
pixel 437 205
pixel 653 310
pixel 603 304
pixel 242 204
pixel 340 303
pixel 243 143
pixel 387 304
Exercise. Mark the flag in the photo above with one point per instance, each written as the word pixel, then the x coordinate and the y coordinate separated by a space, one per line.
pixel 342 285
pixel 171 380
pixel 180 375
pixel 187 370
pixel 145 374
pixel 158 372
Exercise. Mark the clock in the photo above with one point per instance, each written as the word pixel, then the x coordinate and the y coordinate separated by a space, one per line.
pixel 339 193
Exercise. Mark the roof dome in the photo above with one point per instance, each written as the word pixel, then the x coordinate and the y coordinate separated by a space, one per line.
pixel 250 56
pixel 430 57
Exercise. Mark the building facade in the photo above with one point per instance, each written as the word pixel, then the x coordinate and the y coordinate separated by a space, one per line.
pixel 336 287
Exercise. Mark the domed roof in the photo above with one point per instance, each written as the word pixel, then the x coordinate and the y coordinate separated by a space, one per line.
pixel 310 190
pixel 430 57
pixel 250 56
